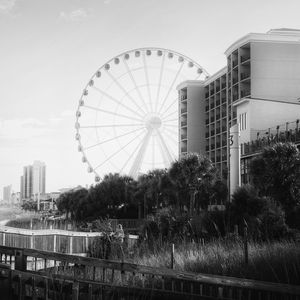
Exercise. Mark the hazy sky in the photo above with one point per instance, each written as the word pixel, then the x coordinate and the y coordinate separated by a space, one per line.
pixel 50 48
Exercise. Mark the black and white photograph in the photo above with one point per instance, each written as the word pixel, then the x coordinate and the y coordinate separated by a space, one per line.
pixel 149 149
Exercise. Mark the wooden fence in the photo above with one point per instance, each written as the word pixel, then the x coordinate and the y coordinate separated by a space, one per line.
pixel 41 274
pixel 62 241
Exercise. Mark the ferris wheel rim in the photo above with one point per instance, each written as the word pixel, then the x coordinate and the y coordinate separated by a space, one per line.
pixel 104 67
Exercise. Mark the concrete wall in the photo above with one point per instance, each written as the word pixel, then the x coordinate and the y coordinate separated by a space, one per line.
pixel 195 119
pixel 275 70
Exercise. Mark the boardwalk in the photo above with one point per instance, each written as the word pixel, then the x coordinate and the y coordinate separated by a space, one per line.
pixel 62 276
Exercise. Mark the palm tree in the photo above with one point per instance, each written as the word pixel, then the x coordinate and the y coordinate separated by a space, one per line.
pixel 191 174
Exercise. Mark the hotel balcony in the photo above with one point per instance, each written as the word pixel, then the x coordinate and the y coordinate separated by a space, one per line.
pixel 183 110
pixel 183 97
pixel 245 75
pixel 183 137
pixel 245 93
pixel 183 123
pixel 244 58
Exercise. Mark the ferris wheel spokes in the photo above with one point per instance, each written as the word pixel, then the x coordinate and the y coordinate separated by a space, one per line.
pixel 112 139
pixel 169 156
pixel 115 153
pixel 170 114
pixel 171 86
pixel 171 138
pixel 112 125
pixel 112 113
pixel 136 86
pixel 160 80
pixel 171 104
pixel 147 81
pixel 125 92
pixel 171 131
pixel 116 101
pixel 136 148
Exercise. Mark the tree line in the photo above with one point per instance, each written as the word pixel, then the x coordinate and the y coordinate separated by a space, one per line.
pixel 268 206
pixel 119 196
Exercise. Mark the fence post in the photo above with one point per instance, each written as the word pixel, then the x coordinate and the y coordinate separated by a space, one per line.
pixel 75 290
pixel 172 255
pixel 54 243
pixel 32 241
pixel 246 244
pixel 71 244
pixel 86 243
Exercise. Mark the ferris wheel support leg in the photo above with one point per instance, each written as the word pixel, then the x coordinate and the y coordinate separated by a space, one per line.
pixel 140 156
pixel 165 148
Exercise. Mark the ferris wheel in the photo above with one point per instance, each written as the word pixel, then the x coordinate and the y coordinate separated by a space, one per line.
pixel 127 117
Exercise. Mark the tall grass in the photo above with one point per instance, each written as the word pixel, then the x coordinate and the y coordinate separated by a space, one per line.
pixel 275 262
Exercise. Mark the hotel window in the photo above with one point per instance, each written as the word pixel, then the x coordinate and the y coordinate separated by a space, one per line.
pixel 243 121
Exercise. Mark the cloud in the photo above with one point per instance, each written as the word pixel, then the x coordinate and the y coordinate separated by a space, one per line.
pixel 68 113
pixel 33 123
pixel 18 132
pixel 107 2
pixel 73 16
pixel 24 131
pixel 6 6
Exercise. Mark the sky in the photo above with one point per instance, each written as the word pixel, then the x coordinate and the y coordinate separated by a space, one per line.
pixel 50 48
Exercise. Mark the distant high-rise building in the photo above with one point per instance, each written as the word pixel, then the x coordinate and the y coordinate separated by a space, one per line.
pixel 33 181
pixel 38 177
pixel 7 194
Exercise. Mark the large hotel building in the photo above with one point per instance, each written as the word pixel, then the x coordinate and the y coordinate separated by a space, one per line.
pixel 256 95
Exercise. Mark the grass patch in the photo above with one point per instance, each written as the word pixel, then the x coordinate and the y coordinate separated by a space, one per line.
pixel 277 262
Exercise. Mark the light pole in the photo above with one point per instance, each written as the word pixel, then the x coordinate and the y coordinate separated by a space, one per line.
pixel 193 191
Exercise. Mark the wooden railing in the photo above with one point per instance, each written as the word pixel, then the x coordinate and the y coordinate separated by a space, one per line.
pixel 51 240
pixel 84 275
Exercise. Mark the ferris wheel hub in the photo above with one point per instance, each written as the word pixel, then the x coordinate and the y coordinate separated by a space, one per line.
pixel 153 122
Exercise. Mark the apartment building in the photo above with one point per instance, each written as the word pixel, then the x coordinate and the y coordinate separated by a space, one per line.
pixel 259 88
pixel 33 180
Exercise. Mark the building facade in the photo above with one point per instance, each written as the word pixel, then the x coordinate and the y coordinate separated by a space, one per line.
pixel 33 180
pixel 7 191
pixel 258 89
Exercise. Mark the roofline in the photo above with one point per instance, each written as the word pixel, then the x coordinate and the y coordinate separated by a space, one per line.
pixel 263 37
pixel 216 75
pixel 189 83
pixel 245 100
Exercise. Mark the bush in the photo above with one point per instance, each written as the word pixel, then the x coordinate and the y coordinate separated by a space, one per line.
pixel 272 222
pixel 212 224
pixel 169 225
pixel 263 217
